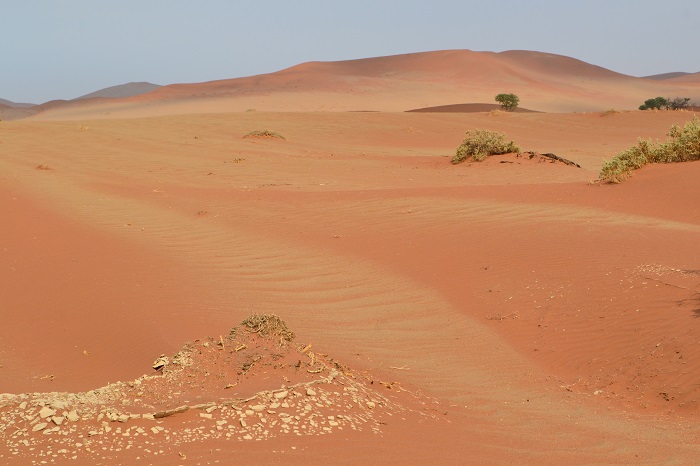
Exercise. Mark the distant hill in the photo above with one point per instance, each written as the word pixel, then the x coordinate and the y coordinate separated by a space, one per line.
pixel 121 91
pixel 8 112
pixel 664 76
pixel 544 82
pixel 688 78
pixel 9 103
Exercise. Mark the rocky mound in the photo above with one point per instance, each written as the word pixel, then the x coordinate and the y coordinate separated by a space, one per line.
pixel 253 384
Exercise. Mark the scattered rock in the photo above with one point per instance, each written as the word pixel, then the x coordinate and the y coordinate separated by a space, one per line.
pixel 46 412
pixel 58 405
pixel 170 412
pixel 161 362
pixel 330 404
pixel 40 426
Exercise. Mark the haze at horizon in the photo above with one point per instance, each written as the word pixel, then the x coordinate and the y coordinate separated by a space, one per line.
pixel 62 50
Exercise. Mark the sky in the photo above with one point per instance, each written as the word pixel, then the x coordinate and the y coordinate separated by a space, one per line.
pixel 62 49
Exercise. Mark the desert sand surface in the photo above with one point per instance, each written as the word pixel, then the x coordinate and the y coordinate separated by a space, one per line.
pixel 512 311
pixel 544 82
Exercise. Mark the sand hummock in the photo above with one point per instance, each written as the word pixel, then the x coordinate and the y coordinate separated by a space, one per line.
pixel 254 384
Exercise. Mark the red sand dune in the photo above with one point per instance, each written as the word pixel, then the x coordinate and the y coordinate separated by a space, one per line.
pixel 544 82
pixel 514 311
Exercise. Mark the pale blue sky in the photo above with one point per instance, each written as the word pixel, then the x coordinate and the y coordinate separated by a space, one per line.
pixel 61 49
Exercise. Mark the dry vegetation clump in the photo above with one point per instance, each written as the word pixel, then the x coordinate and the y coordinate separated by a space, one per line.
pixel 267 325
pixel 480 143
pixel 683 146
pixel 43 167
pixel 264 134
pixel 612 111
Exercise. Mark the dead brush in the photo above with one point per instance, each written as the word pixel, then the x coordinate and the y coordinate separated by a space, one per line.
pixel 264 134
pixel 268 325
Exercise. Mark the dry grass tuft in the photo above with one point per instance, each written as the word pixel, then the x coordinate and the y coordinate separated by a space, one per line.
pixel 264 134
pixel 268 325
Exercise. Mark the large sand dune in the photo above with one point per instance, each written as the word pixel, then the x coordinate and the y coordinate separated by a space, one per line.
pixel 535 318
pixel 544 82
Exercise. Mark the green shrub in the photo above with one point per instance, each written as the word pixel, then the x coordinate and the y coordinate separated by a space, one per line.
pixel 659 103
pixel 481 143
pixel 683 146
pixel 621 166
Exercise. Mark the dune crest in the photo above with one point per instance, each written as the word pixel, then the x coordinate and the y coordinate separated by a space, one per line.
pixel 544 82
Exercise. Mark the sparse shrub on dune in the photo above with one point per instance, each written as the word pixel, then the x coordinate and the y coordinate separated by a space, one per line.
pixel 621 166
pixel 264 134
pixel 480 143
pixel 683 146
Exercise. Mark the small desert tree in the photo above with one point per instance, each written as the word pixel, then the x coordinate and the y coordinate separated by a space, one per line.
pixel 656 103
pixel 679 103
pixel 509 102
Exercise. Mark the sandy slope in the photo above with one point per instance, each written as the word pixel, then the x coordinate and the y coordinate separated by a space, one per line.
pixel 553 320
pixel 544 82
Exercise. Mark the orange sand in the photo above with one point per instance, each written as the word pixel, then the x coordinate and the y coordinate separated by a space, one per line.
pixel 549 320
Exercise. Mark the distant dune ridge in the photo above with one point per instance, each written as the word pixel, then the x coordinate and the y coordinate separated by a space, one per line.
pixel 664 76
pixel 123 90
pixel 691 78
pixel 543 81
pixel 9 103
